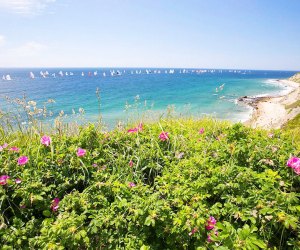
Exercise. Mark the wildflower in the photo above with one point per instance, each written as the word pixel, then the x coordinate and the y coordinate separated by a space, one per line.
pixel 131 163
pixel 131 184
pixel 1 148
pixel 136 129
pixel 18 181
pixel 194 230
pixel 132 130
pixel 95 165
pixel 23 206
pixel 163 136
pixel 3 179
pixel 270 135
pixel 22 160
pixel 80 152
pixel 293 162
pixel 55 204
pixel 210 223
pixel 14 149
pixel 297 169
pixel 5 145
pixel 201 131
pixel 46 140
pixel 209 237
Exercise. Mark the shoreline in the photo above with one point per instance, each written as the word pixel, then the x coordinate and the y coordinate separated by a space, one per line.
pixel 272 112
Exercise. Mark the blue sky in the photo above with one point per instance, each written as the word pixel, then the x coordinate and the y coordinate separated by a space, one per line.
pixel 246 34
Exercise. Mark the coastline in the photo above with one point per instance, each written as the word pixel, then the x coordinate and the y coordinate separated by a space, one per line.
pixel 273 111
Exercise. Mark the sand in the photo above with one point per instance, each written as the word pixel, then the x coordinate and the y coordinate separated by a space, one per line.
pixel 272 111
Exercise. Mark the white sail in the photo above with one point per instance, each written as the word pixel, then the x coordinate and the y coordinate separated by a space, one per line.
pixel 31 75
pixel 8 78
pixel 82 74
pixel 95 73
pixel 3 77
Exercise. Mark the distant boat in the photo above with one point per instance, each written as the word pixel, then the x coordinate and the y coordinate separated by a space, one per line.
pixel 54 75
pixel 31 75
pixel 71 74
pixel 66 74
pixel 104 74
pixel 61 73
pixel 42 74
pixel 3 77
pixel 95 73
pixel 82 74
pixel 46 73
pixel 8 78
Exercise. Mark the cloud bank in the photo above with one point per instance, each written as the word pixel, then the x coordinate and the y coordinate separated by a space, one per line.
pixel 25 7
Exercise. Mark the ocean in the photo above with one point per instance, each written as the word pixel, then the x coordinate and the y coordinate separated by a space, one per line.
pixel 125 92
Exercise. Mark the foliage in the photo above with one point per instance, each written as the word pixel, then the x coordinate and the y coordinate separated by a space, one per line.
pixel 133 190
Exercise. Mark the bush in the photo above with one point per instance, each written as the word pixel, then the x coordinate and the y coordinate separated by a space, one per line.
pixel 200 185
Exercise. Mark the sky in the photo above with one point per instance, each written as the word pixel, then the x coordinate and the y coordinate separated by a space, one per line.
pixel 227 34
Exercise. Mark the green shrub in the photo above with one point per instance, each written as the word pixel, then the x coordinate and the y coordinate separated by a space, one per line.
pixel 135 191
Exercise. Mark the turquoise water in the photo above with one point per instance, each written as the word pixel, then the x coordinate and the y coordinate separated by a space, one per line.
pixel 190 91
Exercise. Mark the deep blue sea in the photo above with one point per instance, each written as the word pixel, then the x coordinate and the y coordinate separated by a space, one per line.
pixel 130 90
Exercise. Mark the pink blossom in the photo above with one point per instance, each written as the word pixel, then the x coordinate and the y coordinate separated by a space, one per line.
pixel 80 152
pixel 46 140
pixel 22 160
pixel 297 169
pixel 130 163
pixel 14 149
pixel 136 129
pixel 133 130
pixel 209 238
pixel 201 131
pixel 55 204
pixel 194 230
pixel 1 148
pixel 131 184
pixel 163 136
pixel 210 223
pixel 5 145
pixel 3 179
pixel 23 206
pixel 95 165
pixel 293 162
pixel 18 181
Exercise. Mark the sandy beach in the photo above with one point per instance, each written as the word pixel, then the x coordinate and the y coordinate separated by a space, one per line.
pixel 273 111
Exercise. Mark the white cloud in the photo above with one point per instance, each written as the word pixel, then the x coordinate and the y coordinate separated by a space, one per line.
pixel 2 40
pixel 25 7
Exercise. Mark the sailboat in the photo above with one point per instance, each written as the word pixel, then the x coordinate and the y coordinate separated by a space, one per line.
pixel 71 74
pixel 3 77
pixel 95 73
pixel 31 75
pixel 66 74
pixel 8 78
pixel 82 74
pixel 61 73
pixel 104 74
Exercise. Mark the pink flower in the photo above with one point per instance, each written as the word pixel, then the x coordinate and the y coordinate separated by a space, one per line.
pixel 3 179
pixel 1 148
pixel 23 206
pixel 136 129
pixel 130 163
pixel 163 136
pixel 22 160
pixel 132 130
pixel 18 181
pixel 95 165
pixel 293 162
pixel 201 131
pixel 46 140
pixel 55 204
pixel 5 145
pixel 209 238
pixel 14 149
pixel 80 152
pixel 270 135
pixel 131 184
pixel 194 230
pixel 210 223
pixel 297 169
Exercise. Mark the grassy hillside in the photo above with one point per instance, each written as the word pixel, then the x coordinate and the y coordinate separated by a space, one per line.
pixel 295 78
pixel 176 184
